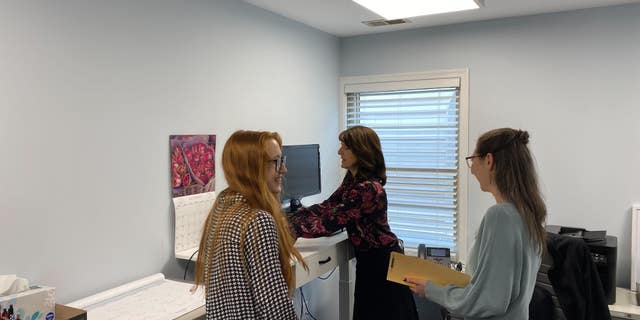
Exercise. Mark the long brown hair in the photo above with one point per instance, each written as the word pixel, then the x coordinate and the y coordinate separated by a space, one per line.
pixel 365 145
pixel 516 177
pixel 243 163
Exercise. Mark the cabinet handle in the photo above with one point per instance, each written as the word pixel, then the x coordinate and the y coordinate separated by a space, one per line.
pixel 324 261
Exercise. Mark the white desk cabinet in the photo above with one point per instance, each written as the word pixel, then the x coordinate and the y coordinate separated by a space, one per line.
pixel 626 306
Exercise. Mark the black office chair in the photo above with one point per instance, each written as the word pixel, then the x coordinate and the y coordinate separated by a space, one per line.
pixel 569 276
pixel 544 303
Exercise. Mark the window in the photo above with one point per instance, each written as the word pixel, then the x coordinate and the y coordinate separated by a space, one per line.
pixel 421 120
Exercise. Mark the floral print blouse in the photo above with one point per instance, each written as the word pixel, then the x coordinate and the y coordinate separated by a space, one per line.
pixel 359 204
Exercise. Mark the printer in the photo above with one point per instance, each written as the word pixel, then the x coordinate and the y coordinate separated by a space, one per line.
pixel 604 251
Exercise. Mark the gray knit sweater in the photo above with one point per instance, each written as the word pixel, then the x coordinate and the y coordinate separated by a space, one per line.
pixel 503 265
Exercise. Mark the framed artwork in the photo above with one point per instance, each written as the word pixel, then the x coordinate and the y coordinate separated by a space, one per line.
pixel 192 164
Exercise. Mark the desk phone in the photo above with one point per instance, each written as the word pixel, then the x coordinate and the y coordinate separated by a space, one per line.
pixel 438 255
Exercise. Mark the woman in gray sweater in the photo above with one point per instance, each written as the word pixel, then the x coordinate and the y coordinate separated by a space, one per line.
pixel 505 258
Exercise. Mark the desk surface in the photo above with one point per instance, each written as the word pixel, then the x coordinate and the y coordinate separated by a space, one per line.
pixel 68 313
pixel 321 255
pixel 305 246
pixel 626 306
pixel 152 297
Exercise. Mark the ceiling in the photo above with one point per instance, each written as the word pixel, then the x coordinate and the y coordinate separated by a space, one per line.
pixel 344 18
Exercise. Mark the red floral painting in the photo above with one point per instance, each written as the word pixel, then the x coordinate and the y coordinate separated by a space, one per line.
pixel 192 164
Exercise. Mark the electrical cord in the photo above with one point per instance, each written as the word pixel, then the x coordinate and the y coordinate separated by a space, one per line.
pixel 327 277
pixel 301 305
pixel 304 302
pixel 187 267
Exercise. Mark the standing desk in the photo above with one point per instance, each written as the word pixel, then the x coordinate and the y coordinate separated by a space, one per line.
pixel 147 298
pixel 321 255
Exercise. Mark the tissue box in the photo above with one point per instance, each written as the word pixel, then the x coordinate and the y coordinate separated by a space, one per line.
pixel 36 303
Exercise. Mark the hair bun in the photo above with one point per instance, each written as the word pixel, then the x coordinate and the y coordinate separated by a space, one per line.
pixel 521 136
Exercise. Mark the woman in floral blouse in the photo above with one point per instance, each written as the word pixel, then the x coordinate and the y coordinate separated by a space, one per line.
pixel 360 205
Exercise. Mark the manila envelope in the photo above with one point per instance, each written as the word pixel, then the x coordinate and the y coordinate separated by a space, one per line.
pixel 402 266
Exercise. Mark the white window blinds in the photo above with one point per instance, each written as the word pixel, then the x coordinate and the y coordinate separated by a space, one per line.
pixel 418 125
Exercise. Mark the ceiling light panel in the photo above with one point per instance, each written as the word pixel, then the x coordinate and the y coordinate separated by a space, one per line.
pixel 397 9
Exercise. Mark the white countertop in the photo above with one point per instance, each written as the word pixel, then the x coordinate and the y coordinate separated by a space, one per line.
pixel 626 306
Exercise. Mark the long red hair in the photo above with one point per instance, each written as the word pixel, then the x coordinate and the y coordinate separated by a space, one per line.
pixel 243 162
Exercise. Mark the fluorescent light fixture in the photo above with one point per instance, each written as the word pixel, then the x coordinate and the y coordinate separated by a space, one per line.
pixel 396 9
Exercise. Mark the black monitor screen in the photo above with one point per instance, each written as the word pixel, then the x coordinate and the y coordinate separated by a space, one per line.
pixel 303 171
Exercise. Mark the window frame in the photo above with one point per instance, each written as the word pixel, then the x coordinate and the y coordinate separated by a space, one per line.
pixel 394 82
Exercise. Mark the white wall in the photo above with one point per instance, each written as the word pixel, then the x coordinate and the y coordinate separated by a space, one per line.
pixel 570 79
pixel 90 92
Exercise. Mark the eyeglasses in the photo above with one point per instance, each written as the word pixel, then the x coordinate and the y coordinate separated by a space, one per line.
pixel 279 163
pixel 469 160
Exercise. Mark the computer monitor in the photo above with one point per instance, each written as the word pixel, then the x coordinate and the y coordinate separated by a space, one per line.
pixel 303 173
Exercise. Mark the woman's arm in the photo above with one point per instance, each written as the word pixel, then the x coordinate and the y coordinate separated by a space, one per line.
pixel 341 209
pixel 497 275
pixel 267 283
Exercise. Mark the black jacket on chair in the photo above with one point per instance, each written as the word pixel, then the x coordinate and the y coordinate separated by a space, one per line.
pixel 575 279
pixel 541 305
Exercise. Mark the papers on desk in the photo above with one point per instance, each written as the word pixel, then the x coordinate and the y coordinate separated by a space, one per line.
pixel 153 297
pixel 401 266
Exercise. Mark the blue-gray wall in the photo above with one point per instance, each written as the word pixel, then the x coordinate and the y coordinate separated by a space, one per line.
pixel 90 92
pixel 570 79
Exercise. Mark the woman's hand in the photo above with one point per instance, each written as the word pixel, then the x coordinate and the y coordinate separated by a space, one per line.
pixel 418 285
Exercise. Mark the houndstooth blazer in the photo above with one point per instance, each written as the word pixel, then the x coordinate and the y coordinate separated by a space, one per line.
pixel 245 283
